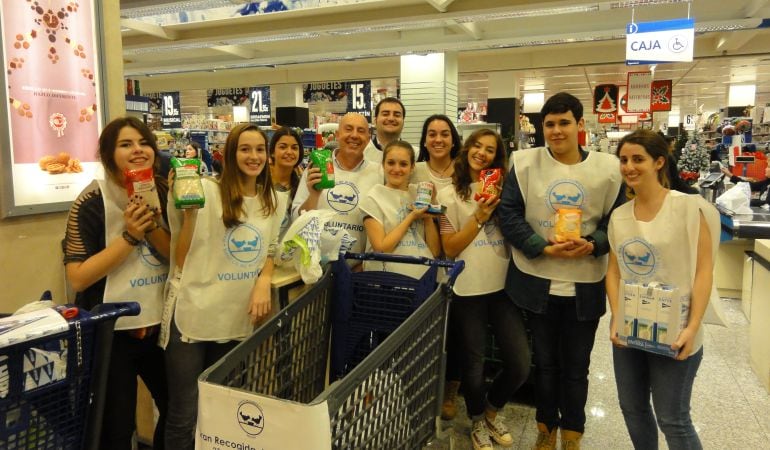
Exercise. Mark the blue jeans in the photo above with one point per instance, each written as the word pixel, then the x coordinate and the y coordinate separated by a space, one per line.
pixel 562 345
pixel 471 317
pixel 184 363
pixel 639 374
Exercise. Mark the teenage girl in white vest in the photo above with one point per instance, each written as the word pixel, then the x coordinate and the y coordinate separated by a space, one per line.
pixel 223 264
pixel 469 232
pixel 392 224
pixel 669 232
pixel 286 152
pixel 439 145
pixel 116 250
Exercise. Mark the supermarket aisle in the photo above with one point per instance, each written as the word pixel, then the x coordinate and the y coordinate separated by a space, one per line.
pixel 729 408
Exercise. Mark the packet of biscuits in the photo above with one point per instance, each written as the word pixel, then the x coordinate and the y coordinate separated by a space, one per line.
pixel 567 224
pixel 140 185
pixel 491 184
pixel 187 190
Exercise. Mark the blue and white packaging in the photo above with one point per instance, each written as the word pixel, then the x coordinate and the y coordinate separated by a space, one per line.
pixel 647 312
pixel 630 310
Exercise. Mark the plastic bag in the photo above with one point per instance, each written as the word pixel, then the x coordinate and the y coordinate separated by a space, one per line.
pixel 140 185
pixel 309 244
pixel 187 190
pixel 736 199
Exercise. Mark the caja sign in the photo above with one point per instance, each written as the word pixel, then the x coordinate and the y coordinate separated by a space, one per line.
pixel 658 42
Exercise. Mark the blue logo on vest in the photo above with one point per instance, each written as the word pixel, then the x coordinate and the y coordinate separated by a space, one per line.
pixel 565 194
pixel 243 244
pixel 638 257
pixel 148 258
pixel 343 197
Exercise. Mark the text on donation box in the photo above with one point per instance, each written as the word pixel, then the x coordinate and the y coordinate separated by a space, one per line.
pixel 234 419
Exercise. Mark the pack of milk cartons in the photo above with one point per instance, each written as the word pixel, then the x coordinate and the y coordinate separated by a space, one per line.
pixel 653 316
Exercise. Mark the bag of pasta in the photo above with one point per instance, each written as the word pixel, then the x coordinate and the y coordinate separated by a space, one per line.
pixel 187 190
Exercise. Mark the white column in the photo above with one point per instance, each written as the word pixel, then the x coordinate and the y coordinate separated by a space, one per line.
pixel 503 84
pixel 428 86
pixel 286 95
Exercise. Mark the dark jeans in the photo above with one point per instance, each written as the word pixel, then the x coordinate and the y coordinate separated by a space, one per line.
pixel 639 374
pixel 471 316
pixel 131 357
pixel 562 346
pixel 184 363
pixel 454 363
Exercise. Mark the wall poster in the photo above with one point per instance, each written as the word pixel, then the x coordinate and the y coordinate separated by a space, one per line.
pixel 52 93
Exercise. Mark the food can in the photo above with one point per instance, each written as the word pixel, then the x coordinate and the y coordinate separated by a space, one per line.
pixel 424 194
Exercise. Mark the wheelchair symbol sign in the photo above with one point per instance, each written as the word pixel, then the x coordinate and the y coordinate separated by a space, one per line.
pixel 677 43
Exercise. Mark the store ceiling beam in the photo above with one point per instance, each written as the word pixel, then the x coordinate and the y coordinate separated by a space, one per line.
pixel 237 50
pixel 471 29
pixel 753 7
pixel 440 5
pixel 730 42
pixel 148 28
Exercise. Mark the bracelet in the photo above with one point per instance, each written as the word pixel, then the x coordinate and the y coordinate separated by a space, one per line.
pixel 479 223
pixel 132 241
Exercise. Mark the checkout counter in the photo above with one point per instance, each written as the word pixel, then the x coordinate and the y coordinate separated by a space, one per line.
pixel 743 267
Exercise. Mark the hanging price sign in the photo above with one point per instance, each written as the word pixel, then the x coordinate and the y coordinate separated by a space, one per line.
pixel 359 95
pixel 259 105
pixel 170 110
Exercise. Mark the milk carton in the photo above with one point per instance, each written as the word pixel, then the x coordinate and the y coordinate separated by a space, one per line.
pixel 630 309
pixel 646 313
pixel 663 303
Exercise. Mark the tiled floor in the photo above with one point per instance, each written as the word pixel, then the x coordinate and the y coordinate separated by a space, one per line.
pixel 730 408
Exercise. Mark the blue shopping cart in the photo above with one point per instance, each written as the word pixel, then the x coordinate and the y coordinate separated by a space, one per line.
pixel 51 387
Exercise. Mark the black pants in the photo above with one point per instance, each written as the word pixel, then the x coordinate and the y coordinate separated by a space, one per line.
pixel 130 358
pixel 562 346
pixel 471 316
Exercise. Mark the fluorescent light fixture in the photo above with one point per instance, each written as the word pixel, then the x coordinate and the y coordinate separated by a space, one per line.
pixel 533 101
pixel 741 94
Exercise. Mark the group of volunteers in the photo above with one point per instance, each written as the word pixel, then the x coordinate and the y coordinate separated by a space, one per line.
pixel 203 275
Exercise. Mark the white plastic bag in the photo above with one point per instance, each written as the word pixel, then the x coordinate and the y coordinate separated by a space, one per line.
pixel 309 244
pixel 736 199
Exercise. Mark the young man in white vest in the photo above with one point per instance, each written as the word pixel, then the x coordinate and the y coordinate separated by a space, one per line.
pixel 388 123
pixel 353 177
pixel 560 284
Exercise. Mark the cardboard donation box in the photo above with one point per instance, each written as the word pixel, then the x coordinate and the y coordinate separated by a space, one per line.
pixel 653 316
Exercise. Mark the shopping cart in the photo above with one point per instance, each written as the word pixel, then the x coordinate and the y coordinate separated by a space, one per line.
pixel 271 390
pixel 64 412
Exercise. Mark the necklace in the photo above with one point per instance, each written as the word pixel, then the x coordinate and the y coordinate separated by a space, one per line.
pixel 442 173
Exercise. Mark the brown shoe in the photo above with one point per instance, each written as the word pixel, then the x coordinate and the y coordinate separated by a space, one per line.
pixel 546 440
pixel 570 440
pixel 449 407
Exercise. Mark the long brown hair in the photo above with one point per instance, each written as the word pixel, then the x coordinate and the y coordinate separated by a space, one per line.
pixel 656 147
pixel 232 179
pixel 462 176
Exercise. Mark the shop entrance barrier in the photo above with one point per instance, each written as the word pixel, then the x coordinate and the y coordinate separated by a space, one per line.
pixel 52 387
pixel 271 390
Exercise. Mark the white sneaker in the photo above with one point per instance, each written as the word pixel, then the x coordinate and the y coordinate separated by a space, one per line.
pixel 498 431
pixel 480 436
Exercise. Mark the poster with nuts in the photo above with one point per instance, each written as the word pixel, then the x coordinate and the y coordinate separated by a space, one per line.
pixel 53 93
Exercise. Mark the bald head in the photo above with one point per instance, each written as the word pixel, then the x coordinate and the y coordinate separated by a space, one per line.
pixel 353 136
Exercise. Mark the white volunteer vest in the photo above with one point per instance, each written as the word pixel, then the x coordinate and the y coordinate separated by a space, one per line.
pixel 486 257
pixel 664 250
pixel 389 207
pixel 221 268
pixel 344 199
pixel 283 196
pixel 547 185
pixel 422 173
pixel 141 277
pixel 373 154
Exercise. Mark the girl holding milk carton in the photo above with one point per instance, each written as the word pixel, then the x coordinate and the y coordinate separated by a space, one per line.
pixel 660 241
pixel 223 264
pixel 396 216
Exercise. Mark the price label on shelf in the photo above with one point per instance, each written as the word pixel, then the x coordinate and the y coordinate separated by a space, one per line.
pixel 359 95
pixel 170 110
pixel 259 105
